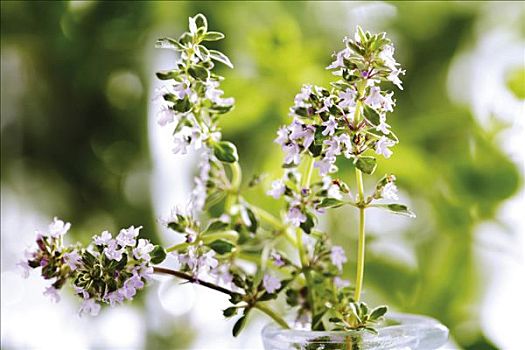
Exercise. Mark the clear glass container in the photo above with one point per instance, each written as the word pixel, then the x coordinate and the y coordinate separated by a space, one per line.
pixel 398 331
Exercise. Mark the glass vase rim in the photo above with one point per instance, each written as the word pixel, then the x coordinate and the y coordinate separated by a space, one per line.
pixel 424 322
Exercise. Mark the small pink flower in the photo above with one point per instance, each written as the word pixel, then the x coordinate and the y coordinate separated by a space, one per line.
pixel 144 247
pixel 73 260
pixel 277 190
pixel 338 257
pixel 295 216
pixel 104 238
pixel 271 283
pixel 58 228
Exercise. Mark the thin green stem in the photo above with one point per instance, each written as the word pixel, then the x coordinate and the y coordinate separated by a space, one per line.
pixel 309 170
pixel 267 217
pixel 280 321
pixel 361 205
pixel 361 239
pixel 299 237
pixel 176 247
pixel 360 186
pixel 236 175
pixel 235 185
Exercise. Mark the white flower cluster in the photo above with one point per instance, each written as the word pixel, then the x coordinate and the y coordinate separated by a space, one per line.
pixel 196 258
pixel 192 128
pixel 110 271
pixel 351 118
pixel 299 199
pixel 192 102
pixel 56 261
pixel 191 95
pixel 196 261
pixel 123 259
pixel 202 263
pixel 386 188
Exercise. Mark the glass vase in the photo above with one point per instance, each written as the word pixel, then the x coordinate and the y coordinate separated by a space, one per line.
pixel 398 331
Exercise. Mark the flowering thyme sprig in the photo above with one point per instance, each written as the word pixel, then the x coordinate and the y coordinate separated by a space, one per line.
pixel 108 271
pixel 192 100
pixel 348 121
pixel 351 118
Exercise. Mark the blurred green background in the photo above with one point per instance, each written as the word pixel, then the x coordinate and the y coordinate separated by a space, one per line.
pixel 77 83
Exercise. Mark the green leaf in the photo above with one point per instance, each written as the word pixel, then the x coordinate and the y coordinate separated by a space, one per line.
pixel 212 36
pixel 88 258
pixel 316 319
pixel 308 224
pixel 354 47
pixel 267 296
pixel 371 115
pixel 204 50
pixel 331 203
pixel 216 225
pixel 353 309
pixel 254 224
pixel 378 312
pixel 168 74
pixel 302 112
pixel 395 208
pixel 221 246
pixel 199 72
pixel 371 330
pixel 169 43
pixel 292 297
pixel 341 84
pixel 236 298
pixel 363 308
pixel 229 312
pixel 317 146
pixel 219 56
pixel 225 151
pixel 366 164
pixel 201 52
pixel 158 254
pixel 315 150
pixel 362 35
pixel 122 263
pixel 183 105
pixel 239 325
pixel 201 22
pixel 175 226
pixel 221 109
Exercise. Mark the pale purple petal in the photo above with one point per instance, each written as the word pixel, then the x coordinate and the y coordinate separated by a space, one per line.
pixel 271 283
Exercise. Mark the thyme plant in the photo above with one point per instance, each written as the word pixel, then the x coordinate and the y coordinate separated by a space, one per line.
pixel 234 246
